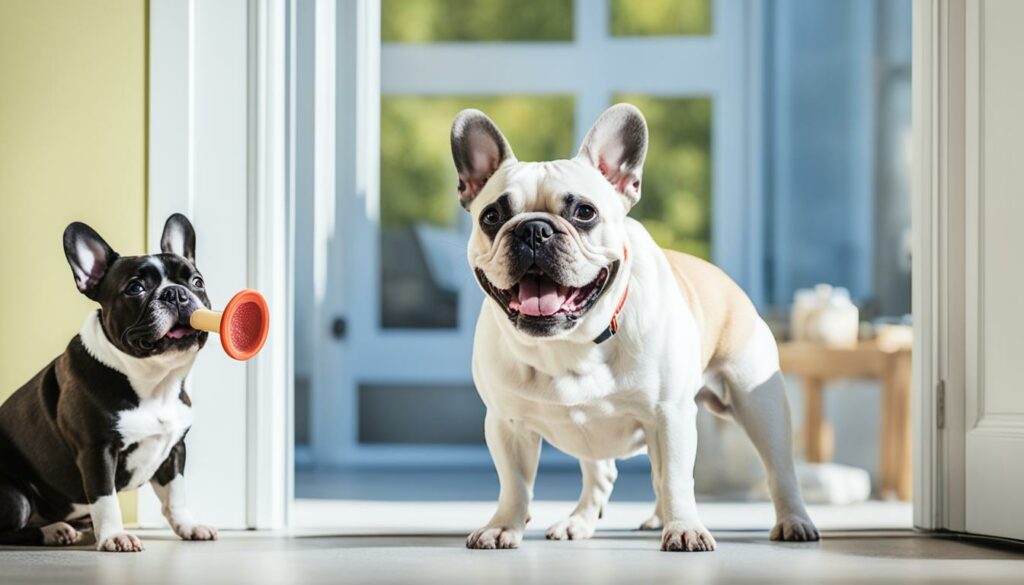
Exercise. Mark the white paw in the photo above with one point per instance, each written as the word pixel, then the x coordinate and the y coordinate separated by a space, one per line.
pixel 795 528
pixel 572 528
pixel 493 537
pixel 689 537
pixel 122 542
pixel 60 534
pixel 652 523
pixel 195 532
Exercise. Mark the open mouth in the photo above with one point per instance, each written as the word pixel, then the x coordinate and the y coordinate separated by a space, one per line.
pixel 538 296
pixel 180 332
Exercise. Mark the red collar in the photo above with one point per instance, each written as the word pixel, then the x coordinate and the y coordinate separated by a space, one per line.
pixel 613 327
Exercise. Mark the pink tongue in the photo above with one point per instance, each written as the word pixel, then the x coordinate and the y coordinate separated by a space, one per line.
pixel 179 332
pixel 539 295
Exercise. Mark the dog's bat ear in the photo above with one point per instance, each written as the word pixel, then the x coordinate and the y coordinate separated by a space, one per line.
pixel 616 145
pixel 89 256
pixel 478 149
pixel 179 237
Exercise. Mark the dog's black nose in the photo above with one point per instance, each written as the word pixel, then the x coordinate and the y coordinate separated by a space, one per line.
pixel 176 295
pixel 534 231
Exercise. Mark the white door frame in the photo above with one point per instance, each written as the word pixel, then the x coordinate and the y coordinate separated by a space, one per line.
pixel 220 151
pixel 925 267
pixel 271 205
pixel 940 303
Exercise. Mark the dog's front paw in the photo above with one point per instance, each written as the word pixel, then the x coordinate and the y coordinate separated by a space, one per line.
pixel 195 532
pixel 121 542
pixel 60 534
pixel 493 537
pixel 795 528
pixel 572 528
pixel 689 537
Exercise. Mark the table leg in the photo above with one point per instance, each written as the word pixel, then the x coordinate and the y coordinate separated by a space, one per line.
pixel 904 450
pixel 814 420
pixel 895 477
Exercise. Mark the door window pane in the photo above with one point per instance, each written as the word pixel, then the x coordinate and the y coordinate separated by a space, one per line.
pixel 423 253
pixel 425 21
pixel 632 18
pixel 675 201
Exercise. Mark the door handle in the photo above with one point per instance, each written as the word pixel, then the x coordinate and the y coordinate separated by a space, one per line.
pixel 339 327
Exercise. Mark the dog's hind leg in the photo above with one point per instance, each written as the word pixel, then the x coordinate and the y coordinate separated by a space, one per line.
pixel 756 395
pixel 598 479
pixel 15 511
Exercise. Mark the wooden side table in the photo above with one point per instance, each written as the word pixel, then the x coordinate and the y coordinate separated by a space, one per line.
pixel 816 364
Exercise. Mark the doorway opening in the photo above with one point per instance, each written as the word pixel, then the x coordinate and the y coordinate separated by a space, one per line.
pixel 780 150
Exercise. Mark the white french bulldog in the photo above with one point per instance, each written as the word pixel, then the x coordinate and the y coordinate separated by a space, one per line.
pixel 602 343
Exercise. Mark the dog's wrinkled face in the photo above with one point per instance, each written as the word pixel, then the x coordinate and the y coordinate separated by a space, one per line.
pixel 145 301
pixel 548 238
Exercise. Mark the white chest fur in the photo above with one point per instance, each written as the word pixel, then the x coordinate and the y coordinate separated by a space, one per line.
pixel 150 430
pixel 148 433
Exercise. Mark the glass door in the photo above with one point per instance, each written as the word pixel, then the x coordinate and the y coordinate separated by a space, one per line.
pixel 396 388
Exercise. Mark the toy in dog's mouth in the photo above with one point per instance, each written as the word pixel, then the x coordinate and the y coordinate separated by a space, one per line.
pixel 538 296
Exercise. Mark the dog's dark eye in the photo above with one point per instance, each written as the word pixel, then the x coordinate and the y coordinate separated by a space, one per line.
pixel 585 213
pixel 135 288
pixel 198 282
pixel 490 217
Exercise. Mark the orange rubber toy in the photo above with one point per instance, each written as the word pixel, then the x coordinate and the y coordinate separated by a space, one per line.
pixel 243 325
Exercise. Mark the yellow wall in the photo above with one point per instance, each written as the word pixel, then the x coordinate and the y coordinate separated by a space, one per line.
pixel 72 147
